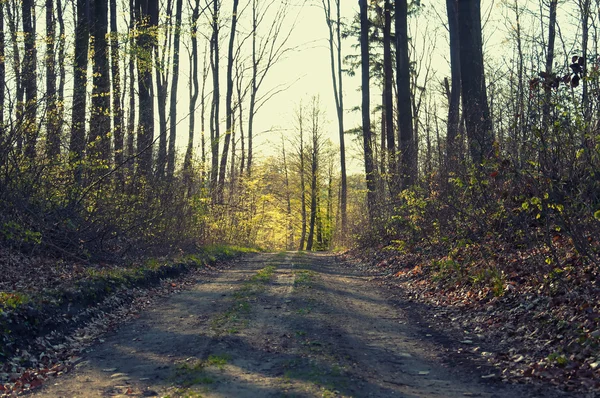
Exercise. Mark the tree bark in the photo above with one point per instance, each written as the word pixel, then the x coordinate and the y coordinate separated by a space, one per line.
pixel 228 103
pixel 454 91
pixel 80 66
pixel 474 93
pixel 215 131
pixel 366 110
pixel 407 146
pixel 52 125
pixel 173 96
pixel 3 144
pixel 388 101
pixel 117 108
pixel 300 116
pixel 335 49
pixel 147 12
pixel 194 89
pixel 99 138
pixel 314 169
pixel 29 77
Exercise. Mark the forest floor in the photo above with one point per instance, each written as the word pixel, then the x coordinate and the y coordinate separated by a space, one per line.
pixel 283 325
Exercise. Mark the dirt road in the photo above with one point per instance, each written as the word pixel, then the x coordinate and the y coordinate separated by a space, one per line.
pixel 276 325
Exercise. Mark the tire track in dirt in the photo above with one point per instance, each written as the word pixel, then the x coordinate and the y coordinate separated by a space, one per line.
pixel 274 325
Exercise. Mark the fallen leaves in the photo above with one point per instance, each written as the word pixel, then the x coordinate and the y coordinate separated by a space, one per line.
pixel 34 357
pixel 538 322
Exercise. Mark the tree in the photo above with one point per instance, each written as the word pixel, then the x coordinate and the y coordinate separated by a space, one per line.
pixel 454 91
pixel 52 121
pixel 99 137
pixel 267 50
pixel 214 119
pixel 80 69
pixel 315 151
pixel 549 63
pixel 2 80
pixel 228 103
pixel 474 93
pixel 366 109
pixel 388 99
pixel 117 108
pixel 147 20
pixel 407 147
pixel 29 79
pixel 194 88
pixel 301 172
pixel 335 49
pixel 173 95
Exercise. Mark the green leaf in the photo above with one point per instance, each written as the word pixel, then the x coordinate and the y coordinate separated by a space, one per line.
pixel 597 215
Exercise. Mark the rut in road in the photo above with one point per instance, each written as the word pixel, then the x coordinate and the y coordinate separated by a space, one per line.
pixel 275 325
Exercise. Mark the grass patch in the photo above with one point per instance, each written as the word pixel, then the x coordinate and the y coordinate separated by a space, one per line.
pixel 231 321
pixel 218 360
pixel 264 275
pixel 191 374
pixel 304 277
pixel 24 315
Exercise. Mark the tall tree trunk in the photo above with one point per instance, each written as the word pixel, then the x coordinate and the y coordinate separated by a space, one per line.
pixel 288 199
pixel 29 79
pixel 454 91
pixel 117 108
pixel 549 63
pixel 302 170
pixel 174 85
pixel 62 73
pixel 130 149
pixel 520 128
pixel 335 49
pixel 215 131
pixel 584 9
pixel 474 93
pixel 3 144
pixel 388 100
pixel 194 90
pixel 99 138
pixel 162 55
pixel 366 110
pixel 407 144
pixel 228 103
pixel 52 125
pixel 253 90
pixel 80 66
pixel 147 11
pixel 314 169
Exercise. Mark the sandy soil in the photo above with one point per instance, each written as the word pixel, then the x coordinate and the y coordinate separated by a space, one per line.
pixel 280 325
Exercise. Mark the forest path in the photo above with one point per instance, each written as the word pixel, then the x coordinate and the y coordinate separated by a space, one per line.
pixel 275 325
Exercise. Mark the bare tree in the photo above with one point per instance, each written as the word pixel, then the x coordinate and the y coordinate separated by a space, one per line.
pixel 173 95
pixel 315 151
pixel 335 50
pixel 228 103
pixel 267 50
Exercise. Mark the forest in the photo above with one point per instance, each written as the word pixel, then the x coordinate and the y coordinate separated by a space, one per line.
pixel 454 156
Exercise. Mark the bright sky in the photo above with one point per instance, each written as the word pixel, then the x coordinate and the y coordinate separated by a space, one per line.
pixel 307 68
